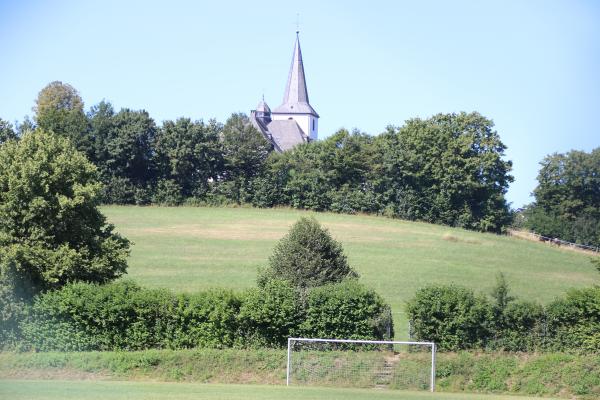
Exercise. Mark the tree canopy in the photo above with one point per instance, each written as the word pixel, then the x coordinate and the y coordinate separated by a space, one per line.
pixel 448 169
pixel 51 231
pixel 567 198
pixel 59 109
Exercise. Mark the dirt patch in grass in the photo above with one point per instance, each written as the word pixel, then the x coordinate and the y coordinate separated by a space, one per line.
pixel 452 238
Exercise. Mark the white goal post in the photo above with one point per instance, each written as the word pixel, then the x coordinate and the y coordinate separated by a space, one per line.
pixel 376 363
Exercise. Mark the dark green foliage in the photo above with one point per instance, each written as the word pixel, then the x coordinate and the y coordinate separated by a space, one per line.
pixel 189 154
pixel 51 231
pixel 451 316
pixel 448 169
pixel 521 327
pixel 167 193
pixel 567 198
pixel 123 316
pixel 244 152
pixel 270 314
pixel 346 310
pixel 455 319
pixel 205 319
pixel 574 322
pixel 308 256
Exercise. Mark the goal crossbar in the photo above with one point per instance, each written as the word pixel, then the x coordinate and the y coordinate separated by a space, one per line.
pixel 391 342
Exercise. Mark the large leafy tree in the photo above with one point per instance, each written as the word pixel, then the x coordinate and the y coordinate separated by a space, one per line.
pixel 447 169
pixel 244 151
pixel 188 153
pixel 567 198
pixel 59 109
pixel 308 257
pixel 51 231
pixel 129 146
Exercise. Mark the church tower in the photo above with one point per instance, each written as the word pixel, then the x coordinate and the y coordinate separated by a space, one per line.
pixel 295 104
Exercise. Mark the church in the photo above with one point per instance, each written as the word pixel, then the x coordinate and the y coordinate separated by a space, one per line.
pixel 294 121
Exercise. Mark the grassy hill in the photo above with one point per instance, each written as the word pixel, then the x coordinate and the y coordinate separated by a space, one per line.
pixel 189 249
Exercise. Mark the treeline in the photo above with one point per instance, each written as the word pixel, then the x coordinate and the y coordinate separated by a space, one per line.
pixel 456 318
pixel 447 169
pixel 567 198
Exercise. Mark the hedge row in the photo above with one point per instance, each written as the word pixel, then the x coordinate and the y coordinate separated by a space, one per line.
pixel 456 318
pixel 124 316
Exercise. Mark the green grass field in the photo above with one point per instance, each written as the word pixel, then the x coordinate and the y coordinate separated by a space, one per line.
pixel 192 248
pixel 105 390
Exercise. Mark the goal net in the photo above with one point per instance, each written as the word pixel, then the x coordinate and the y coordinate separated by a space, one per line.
pixel 361 363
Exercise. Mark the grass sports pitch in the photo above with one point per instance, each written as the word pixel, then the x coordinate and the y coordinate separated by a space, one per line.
pixel 109 390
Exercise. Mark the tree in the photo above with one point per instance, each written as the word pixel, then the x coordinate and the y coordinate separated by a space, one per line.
pixel 51 231
pixel 59 109
pixel 244 151
pixel 451 316
pixel 6 131
pixel 123 152
pixel 448 169
pixel 308 256
pixel 567 198
pixel 189 154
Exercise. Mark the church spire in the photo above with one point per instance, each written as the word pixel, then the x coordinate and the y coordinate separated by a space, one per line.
pixel 295 91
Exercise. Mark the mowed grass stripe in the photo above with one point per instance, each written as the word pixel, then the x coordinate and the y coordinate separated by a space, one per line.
pixel 196 248
pixel 111 390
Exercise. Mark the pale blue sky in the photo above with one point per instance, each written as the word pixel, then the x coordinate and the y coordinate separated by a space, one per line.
pixel 531 66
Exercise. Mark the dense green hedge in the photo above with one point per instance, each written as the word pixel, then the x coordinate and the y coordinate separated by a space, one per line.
pixel 124 316
pixel 347 310
pixel 455 318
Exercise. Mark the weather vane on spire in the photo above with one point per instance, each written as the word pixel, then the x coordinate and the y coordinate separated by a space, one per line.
pixel 297 23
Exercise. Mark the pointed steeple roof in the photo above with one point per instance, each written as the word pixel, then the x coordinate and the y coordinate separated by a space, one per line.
pixel 295 99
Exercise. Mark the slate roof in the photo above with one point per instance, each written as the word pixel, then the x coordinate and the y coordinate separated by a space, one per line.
pixel 286 134
pixel 263 107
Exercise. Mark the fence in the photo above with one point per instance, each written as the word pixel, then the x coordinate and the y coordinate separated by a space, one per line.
pixel 553 241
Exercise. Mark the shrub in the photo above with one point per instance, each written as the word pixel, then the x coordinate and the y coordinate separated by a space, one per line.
pixel 204 319
pixel 123 316
pixel 270 314
pixel 347 310
pixel 574 322
pixel 451 316
pixel 167 193
pixel 90 317
pixel 308 256
pixel 522 328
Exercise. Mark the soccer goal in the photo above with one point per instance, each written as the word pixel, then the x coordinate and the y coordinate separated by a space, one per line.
pixel 361 363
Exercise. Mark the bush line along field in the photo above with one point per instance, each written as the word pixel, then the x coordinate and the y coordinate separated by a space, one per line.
pixel 195 248
pixel 542 374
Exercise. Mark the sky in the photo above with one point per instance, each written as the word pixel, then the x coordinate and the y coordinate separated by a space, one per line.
pixel 533 67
